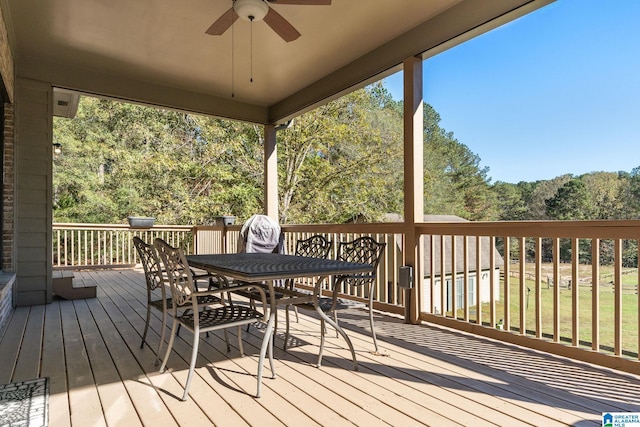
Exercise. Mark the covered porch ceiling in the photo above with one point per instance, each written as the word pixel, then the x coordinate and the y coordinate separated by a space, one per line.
pixel 157 52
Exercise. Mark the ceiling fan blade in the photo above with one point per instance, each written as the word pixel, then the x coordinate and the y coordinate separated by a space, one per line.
pixel 223 23
pixel 281 26
pixel 303 2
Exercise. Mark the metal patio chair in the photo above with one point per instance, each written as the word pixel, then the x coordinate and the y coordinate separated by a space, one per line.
pixel 364 250
pixel 316 246
pixel 207 317
pixel 156 279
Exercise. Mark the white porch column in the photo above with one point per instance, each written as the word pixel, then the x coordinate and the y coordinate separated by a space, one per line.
pixel 270 173
pixel 413 178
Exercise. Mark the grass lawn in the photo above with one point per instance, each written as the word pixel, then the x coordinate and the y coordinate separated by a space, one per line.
pixel 630 304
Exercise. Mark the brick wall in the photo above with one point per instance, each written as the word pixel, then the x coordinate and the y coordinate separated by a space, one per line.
pixel 6 61
pixel 8 191
pixel 7 277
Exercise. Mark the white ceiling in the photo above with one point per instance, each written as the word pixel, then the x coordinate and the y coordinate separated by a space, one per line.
pixel 156 51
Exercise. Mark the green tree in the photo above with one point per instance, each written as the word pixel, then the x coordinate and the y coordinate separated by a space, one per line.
pixel 123 159
pixel 335 161
pixel 604 190
pixel 572 201
pixel 630 193
pixel 454 181
pixel 511 201
pixel 542 191
pixel 338 163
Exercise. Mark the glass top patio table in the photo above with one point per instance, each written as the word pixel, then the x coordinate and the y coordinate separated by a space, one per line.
pixel 257 267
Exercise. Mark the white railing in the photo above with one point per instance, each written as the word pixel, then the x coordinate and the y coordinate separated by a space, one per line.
pixel 575 300
pixel 108 245
pixel 511 297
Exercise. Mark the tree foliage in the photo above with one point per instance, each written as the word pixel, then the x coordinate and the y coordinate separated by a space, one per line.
pixel 341 162
pixel 572 201
pixel 123 159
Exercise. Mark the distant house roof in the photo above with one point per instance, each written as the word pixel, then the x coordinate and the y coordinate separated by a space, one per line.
pixel 485 248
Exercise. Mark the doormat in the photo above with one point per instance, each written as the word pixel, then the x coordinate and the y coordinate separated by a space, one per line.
pixel 25 403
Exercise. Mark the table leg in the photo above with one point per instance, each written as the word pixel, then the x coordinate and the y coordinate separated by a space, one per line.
pixel 267 344
pixel 330 321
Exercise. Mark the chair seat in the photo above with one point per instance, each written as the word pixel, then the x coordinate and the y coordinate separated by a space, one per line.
pixel 202 300
pixel 213 318
pixel 283 296
pixel 158 304
pixel 326 303
pixel 255 295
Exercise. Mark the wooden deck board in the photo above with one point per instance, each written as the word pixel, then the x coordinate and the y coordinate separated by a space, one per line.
pixel 112 363
pixel 155 406
pixel 84 400
pixel 107 361
pixel 11 342
pixel 386 376
pixel 53 358
pixel 99 375
pixel 28 366
pixel 470 391
pixel 387 384
pixel 126 303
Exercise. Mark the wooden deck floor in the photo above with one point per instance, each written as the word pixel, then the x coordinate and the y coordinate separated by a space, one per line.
pixel 427 376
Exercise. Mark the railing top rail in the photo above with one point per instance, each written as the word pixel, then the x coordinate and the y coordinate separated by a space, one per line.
pixel 604 229
pixel 216 227
pixel 77 226
pixel 369 228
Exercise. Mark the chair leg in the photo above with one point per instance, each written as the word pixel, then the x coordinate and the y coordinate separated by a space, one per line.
pixel 169 346
pixel 252 305
pixel 373 330
pixel 272 365
pixel 275 321
pixel 226 338
pixel 286 332
pixel 179 325
pixel 192 365
pixel 162 332
pixel 240 346
pixel 322 333
pixel 146 326
pixel 324 318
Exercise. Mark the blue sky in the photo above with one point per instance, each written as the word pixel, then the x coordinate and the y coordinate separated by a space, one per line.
pixel 554 92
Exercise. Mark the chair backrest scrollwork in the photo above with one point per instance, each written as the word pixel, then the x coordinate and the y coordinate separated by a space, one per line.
pixel 364 250
pixel 315 246
pixel 178 272
pixel 150 263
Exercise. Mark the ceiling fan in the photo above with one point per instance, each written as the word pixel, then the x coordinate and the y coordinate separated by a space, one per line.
pixel 258 10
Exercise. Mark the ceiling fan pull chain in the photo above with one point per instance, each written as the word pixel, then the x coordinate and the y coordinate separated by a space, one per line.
pixel 233 72
pixel 251 51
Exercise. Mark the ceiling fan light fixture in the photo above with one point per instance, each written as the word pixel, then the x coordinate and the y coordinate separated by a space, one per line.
pixel 251 10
